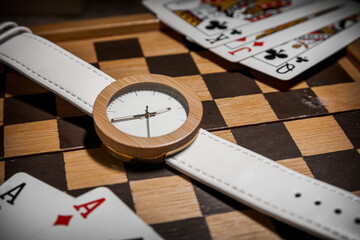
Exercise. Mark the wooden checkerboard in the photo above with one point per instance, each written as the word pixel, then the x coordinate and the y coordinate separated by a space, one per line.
pixel 310 124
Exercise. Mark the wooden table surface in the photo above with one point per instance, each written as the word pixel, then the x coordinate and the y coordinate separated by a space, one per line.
pixel 310 124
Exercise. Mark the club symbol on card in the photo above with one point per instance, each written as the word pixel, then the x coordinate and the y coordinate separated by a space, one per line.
pixel 234 31
pixel 272 54
pixel 216 24
pixel 63 220
pixel 301 59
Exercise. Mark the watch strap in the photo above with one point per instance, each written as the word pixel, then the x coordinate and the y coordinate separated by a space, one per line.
pixel 70 77
pixel 309 204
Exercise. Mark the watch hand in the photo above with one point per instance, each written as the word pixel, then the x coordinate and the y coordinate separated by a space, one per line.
pixel 147 115
pixel 139 116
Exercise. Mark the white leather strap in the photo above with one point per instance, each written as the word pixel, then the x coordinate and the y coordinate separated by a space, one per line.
pixel 54 68
pixel 271 188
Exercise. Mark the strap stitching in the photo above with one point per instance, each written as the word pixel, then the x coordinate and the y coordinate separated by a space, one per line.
pixel 61 88
pixel 291 173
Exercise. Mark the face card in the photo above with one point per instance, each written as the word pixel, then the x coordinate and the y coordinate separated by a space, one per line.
pixel 98 214
pixel 25 204
pixel 213 23
pixel 246 47
pixel 292 58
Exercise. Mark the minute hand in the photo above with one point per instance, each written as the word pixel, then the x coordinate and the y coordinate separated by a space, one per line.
pixel 139 116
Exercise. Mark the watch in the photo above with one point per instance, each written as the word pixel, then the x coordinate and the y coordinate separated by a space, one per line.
pixel 154 118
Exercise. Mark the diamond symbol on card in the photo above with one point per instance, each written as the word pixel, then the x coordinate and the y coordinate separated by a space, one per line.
pixel 63 220
pixel 258 44
pixel 241 39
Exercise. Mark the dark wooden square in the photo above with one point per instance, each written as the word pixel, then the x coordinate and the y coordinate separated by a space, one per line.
pixel 193 228
pixel 271 140
pixel 29 108
pixel 1 141
pixel 286 231
pixel 330 75
pixel 337 168
pixel 77 131
pixel 295 103
pixel 350 123
pixel 2 84
pixel 173 65
pixel 48 168
pixel 212 118
pixel 230 84
pixel 147 171
pixel 122 191
pixel 212 202
pixel 118 49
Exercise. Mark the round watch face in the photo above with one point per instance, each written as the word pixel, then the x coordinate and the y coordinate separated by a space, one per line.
pixel 146 117
pixel 149 110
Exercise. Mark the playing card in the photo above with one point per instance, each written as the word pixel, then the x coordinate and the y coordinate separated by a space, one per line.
pixel 213 23
pixel 25 206
pixel 290 59
pixel 98 214
pixel 252 45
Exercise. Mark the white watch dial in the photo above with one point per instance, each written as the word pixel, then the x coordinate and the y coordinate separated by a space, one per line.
pixel 148 111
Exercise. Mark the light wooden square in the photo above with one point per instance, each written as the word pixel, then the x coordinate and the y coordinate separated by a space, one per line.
pixel 165 199
pixel 124 67
pixel 349 68
pixel 298 165
pixel 92 167
pixel 84 49
pixel 66 109
pixel 158 43
pixel 339 97
pixel 205 65
pixel 318 135
pixel 243 110
pixel 30 138
pixel 17 84
pixel 248 224
pixel 198 85
pixel 2 172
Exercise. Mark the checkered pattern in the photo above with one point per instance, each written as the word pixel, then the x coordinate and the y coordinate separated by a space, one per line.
pixel 310 125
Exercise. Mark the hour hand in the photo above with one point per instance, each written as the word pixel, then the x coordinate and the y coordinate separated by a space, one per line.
pixel 126 118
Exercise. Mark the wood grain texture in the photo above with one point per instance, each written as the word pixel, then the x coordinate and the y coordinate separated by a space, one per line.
pixel 243 110
pixel 353 53
pixel 225 134
pixel 340 97
pixel 91 167
pixel 206 65
pixel 155 198
pixel 97 27
pixel 32 137
pixel 247 224
pixel 125 67
pixel 350 69
pixel 318 135
pixel 298 165
pixel 197 84
pixel 66 109
pixel 266 88
pixel 14 80
pixel 83 49
pixel 1 111
pixel 152 44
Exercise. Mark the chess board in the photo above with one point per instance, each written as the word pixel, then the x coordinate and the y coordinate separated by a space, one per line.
pixel 310 124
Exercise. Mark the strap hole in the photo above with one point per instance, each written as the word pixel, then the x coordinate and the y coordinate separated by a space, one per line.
pixel 357 220
pixel 337 211
pixel 317 203
pixel 297 195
